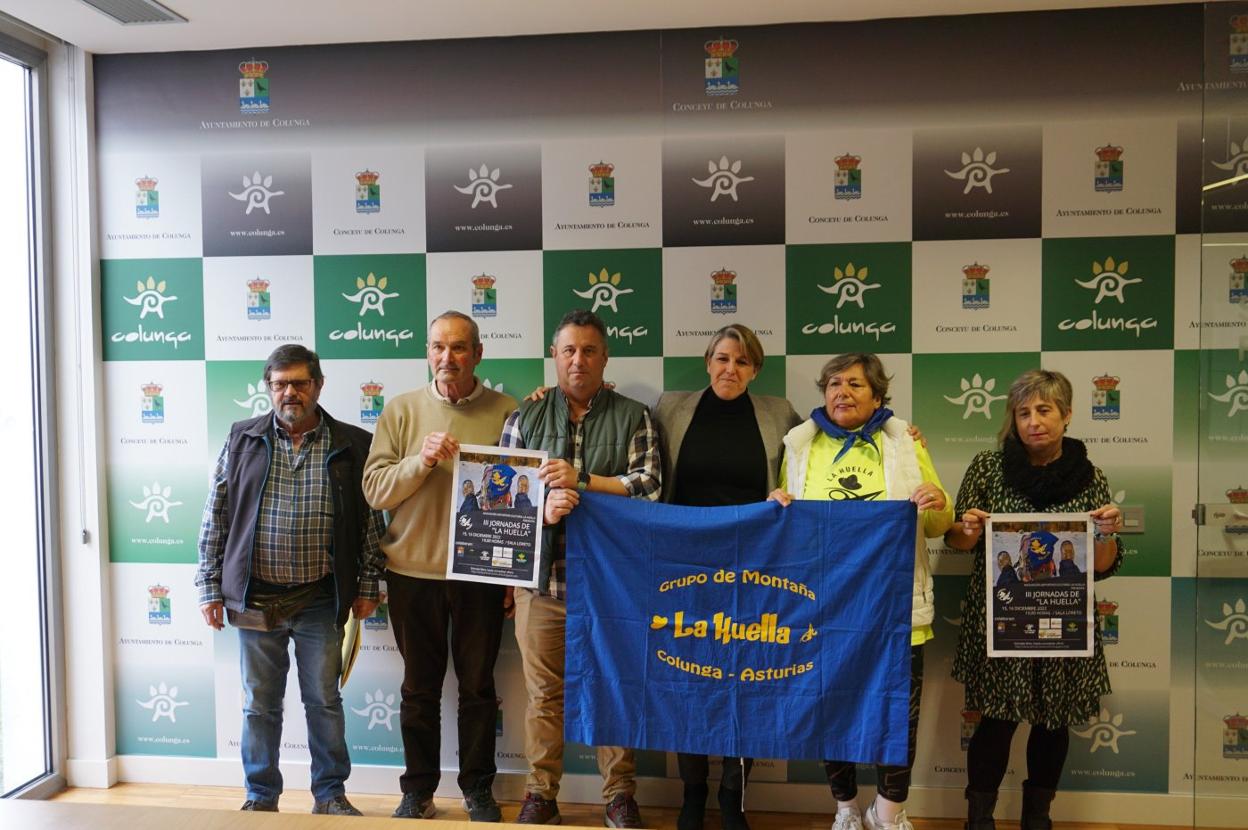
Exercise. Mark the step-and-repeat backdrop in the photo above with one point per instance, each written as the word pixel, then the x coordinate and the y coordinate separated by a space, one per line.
pixel 968 197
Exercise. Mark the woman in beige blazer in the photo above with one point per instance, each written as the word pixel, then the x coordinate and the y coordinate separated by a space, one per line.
pixel 721 446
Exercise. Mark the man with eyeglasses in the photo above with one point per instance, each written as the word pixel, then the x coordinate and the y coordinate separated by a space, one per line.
pixel 288 547
pixel 410 474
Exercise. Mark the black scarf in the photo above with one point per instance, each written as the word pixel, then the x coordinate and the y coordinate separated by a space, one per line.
pixel 1056 482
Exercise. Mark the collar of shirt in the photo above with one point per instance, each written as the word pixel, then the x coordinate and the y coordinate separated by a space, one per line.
pixel 477 391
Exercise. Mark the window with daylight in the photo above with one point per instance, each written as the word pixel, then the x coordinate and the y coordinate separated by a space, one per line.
pixel 25 755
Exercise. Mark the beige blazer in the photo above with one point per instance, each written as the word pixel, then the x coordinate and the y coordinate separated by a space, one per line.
pixel 675 410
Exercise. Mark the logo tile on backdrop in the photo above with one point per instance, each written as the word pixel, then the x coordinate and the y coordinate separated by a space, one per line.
pixel 257 204
pixel 370 306
pixel 152 309
pixel 483 198
pixel 977 183
pixel 1108 293
pixel 848 298
pixel 720 191
pixel 624 287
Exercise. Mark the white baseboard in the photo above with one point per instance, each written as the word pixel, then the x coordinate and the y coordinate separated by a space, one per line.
pixel 99 774
pixel 1173 809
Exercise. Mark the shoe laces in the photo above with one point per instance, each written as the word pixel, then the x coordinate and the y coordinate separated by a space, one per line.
pixel 847 819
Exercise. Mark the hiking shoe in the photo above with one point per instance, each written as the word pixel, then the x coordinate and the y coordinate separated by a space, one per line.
pixel 871 821
pixel 251 805
pixel 537 810
pixel 415 805
pixel 481 806
pixel 622 812
pixel 336 806
pixel 848 818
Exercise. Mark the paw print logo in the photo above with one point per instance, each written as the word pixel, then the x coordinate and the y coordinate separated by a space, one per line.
pixel 163 702
pixel 1237 163
pixel 150 297
pixel 496 386
pixel 723 179
pixel 156 502
pixel 380 710
pixel 257 401
pixel 1234 621
pixel 371 294
pixel 1236 393
pixel 1108 280
pixel 977 396
pixel 604 290
pixel 977 170
pixel 849 285
pixel 483 186
pixel 256 193
pixel 1104 731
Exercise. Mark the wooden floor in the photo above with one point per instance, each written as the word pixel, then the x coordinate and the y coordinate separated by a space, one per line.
pixel 577 815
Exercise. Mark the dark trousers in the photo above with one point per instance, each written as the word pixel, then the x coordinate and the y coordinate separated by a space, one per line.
pixel 425 614
pixel 988 755
pixel 891 782
pixel 695 768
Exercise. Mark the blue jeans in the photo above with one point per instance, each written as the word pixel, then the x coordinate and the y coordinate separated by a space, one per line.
pixel 264 657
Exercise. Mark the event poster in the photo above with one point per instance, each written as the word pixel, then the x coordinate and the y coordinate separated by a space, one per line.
pixel 1039 585
pixel 496 529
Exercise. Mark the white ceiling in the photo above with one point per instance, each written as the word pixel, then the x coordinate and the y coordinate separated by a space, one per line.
pixel 221 24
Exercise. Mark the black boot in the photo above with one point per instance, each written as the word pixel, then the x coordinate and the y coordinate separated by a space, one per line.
pixel 693 810
pixel 979 808
pixel 731 816
pixel 1036 801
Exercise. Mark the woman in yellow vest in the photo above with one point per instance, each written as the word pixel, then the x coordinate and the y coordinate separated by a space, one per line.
pixel 853 448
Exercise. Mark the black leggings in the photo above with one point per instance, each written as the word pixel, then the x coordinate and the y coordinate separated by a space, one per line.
pixel 891 782
pixel 989 754
pixel 695 768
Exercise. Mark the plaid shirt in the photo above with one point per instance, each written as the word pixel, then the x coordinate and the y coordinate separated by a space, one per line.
pixel 295 528
pixel 642 479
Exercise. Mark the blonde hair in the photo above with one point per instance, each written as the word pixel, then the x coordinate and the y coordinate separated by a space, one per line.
pixel 743 335
pixel 1044 384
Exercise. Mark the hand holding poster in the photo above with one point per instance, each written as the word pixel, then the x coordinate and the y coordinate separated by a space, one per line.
pixel 1039 584
pixel 496 510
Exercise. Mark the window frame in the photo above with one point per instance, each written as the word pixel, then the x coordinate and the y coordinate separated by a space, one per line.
pixel 30 51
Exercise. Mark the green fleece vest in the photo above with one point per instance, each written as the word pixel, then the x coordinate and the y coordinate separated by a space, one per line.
pixel 609 427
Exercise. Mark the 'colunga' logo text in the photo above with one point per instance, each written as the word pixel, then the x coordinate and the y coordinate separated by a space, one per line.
pixel 371 295
pixel 1108 280
pixel 151 298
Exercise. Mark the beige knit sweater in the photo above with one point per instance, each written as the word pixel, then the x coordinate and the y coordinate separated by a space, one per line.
pixel 418 498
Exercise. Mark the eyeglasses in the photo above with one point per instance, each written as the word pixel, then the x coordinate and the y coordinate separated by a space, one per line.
pixel 301 385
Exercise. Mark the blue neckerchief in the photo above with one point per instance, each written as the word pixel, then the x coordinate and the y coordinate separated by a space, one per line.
pixel 873 424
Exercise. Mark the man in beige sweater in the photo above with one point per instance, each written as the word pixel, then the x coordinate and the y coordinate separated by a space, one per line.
pixel 408 473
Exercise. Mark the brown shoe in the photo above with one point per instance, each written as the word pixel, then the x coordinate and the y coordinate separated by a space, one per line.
pixel 537 810
pixel 622 812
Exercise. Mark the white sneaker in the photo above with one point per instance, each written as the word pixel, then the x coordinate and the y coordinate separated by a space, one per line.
pixel 847 818
pixel 872 821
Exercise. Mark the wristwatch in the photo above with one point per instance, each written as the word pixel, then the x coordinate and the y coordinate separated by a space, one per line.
pixel 582 481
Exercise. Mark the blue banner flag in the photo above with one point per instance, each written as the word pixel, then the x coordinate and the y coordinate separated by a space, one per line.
pixel 757 631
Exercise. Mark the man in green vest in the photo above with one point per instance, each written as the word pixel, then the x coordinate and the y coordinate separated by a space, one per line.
pixel 601 441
